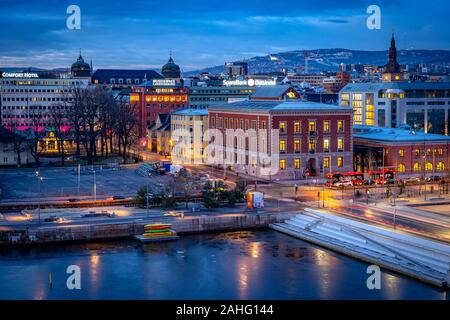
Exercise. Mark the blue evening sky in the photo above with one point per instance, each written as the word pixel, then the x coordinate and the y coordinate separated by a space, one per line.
pixel 140 33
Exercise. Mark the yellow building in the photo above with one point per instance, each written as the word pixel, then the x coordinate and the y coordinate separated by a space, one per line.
pixel 188 129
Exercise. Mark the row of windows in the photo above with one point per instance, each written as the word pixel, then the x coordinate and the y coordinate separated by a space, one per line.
pixel 417 167
pixel 121 81
pixel 326 163
pixel 209 99
pixel 41 82
pixel 312 145
pixel 34 99
pixel 29 125
pixel 312 126
pixel 35 107
pixel 418 153
pixel 230 123
pixel 38 90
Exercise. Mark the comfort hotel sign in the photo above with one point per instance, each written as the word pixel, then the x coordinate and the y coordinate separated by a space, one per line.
pixel 19 75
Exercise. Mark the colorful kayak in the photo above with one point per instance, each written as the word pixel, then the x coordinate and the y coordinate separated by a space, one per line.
pixel 157 226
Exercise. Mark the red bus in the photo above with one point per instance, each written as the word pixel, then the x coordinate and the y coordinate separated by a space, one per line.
pixel 357 178
pixel 381 176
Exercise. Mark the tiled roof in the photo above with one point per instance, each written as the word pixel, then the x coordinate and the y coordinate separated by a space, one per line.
pixel 124 73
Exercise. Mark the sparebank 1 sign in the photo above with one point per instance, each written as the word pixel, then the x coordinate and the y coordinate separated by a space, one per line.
pixel 249 82
pixel 19 75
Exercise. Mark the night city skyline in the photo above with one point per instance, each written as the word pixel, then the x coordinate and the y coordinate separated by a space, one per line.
pixel 204 34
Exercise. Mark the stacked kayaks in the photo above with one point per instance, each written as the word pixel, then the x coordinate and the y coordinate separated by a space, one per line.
pixel 157 232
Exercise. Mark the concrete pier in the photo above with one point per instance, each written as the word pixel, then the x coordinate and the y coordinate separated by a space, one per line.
pixel 413 256
pixel 105 230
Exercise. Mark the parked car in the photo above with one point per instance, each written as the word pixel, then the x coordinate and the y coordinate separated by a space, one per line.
pixel 413 180
pixel 433 179
pixel 55 219
pixel 119 198
pixel 369 182
pixel 174 214
pixel 346 183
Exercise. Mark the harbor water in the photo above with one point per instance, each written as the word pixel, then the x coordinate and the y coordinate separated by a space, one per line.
pixel 233 265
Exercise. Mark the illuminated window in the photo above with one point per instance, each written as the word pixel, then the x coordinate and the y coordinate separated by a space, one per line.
pixel 282 164
pixel 429 166
pixel 326 126
pixel 417 167
pixel 312 126
pixel 401 153
pixel 340 126
pixel 440 166
pixel 326 145
pixel 296 163
pixel 297 145
pixel 297 127
pixel 326 162
pixel 401 168
pixel 340 162
pixel 312 145
pixel 417 152
pixel 340 144
pixel 282 145
pixel 282 126
pixel 441 151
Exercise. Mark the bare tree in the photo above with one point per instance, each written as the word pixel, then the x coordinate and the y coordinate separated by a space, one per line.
pixel 126 127
pixel 58 121
pixel 36 132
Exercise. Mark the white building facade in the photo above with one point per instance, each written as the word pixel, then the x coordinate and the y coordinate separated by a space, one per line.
pixel 421 105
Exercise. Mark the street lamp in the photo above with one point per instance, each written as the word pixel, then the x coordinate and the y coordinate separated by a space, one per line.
pixel 95 186
pixel 39 179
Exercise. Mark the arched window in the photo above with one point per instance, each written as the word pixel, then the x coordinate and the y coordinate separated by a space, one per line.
pixel 417 167
pixel 401 168
pixel 440 166
pixel 429 166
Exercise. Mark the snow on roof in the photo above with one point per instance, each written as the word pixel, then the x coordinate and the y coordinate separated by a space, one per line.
pixel 405 134
pixel 270 91
pixel 271 105
pixel 375 87
pixel 191 112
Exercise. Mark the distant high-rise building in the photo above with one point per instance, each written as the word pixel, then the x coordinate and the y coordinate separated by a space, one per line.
pixel 236 69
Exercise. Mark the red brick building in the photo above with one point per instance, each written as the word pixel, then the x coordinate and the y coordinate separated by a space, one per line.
pixel 158 96
pixel 304 138
pixel 407 151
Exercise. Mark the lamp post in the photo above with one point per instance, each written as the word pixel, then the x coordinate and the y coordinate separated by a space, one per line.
pixel 95 186
pixel 39 179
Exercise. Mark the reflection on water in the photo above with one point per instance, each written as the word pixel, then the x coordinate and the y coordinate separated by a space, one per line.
pixel 231 265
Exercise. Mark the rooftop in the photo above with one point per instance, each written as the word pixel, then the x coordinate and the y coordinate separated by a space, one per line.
pixel 375 87
pixel 270 91
pixel 274 106
pixel 125 73
pixel 191 112
pixel 405 134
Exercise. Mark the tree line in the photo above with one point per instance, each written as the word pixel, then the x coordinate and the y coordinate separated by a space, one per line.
pixel 96 122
